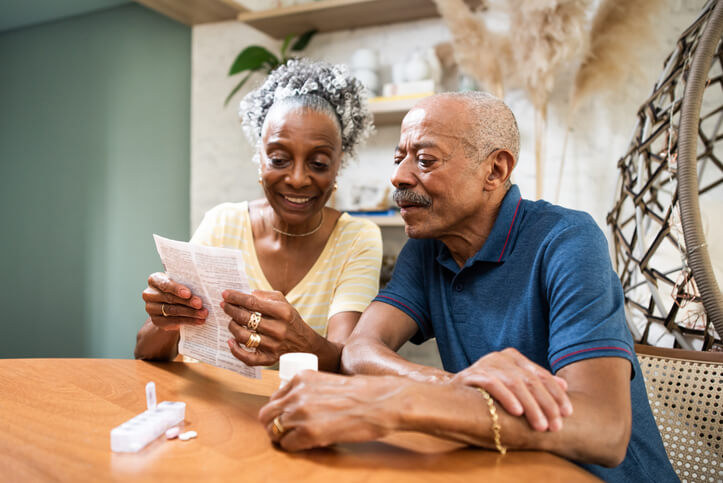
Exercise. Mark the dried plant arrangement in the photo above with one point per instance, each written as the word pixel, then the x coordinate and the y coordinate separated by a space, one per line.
pixel 621 36
pixel 619 33
pixel 479 52
pixel 547 34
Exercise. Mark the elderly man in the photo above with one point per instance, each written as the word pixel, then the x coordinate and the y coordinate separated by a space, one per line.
pixel 512 290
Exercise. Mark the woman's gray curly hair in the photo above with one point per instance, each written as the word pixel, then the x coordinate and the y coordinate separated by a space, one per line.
pixel 310 82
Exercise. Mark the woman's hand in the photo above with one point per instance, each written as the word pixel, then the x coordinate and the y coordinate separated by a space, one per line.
pixel 280 328
pixel 170 304
pixel 521 387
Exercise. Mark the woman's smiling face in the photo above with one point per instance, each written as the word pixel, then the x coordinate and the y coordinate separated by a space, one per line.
pixel 299 160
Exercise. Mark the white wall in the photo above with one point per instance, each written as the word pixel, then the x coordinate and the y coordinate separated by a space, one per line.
pixel 221 169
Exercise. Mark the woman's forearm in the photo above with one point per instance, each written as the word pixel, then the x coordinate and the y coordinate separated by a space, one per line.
pixel 153 343
pixel 328 353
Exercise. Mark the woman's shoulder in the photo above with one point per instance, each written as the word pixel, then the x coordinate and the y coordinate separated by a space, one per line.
pixel 353 227
pixel 223 219
pixel 229 209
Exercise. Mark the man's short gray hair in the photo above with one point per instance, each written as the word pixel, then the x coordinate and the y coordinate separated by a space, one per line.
pixel 316 85
pixel 494 124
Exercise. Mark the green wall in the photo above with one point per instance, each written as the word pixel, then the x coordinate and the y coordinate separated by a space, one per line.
pixel 94 158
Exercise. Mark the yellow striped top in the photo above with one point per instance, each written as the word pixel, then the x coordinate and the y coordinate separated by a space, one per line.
pixel 345 277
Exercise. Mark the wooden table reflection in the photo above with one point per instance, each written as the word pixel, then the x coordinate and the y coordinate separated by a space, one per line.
pixel 56 415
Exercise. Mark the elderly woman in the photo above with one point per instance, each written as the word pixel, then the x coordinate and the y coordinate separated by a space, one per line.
pixel 313 270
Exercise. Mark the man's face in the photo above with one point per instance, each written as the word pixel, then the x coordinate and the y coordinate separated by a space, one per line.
pixel 439 182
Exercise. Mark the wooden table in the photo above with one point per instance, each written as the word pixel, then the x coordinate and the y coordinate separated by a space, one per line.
pixel 56 416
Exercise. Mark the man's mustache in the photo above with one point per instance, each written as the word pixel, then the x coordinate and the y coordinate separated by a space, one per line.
pixel 409 196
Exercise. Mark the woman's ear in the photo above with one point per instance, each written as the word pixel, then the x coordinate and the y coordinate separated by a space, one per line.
pixel 499 164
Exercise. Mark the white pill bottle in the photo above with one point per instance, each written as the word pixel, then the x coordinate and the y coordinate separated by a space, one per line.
pixel 292 363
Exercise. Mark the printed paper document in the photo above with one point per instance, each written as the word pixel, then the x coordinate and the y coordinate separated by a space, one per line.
pixel 207 272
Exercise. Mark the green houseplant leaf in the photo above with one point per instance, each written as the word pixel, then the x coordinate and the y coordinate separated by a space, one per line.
pixel 285 46
pixel 303 40
pixel 253 58
pixel 256 58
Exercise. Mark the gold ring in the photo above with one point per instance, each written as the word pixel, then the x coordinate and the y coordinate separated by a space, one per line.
pixel 163 310
pixel 254 340
pixel 278 428
pixel 254 321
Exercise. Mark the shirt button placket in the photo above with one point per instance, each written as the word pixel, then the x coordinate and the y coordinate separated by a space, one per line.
pixel 459 301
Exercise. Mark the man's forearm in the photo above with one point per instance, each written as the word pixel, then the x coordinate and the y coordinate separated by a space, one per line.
pixel 588 436
pixel 328 408
pixel 370 356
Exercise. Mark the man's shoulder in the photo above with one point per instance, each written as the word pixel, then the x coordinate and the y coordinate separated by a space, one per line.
pixel 544 217
pixel 561 236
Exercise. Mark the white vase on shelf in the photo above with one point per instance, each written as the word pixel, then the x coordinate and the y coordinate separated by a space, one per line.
pixel 398 75
pixel 416 68
pixel 368 78
pixel 364 64
pixel 364 59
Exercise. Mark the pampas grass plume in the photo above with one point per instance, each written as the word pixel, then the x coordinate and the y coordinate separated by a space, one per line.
pixel 479 52
pixel 620 31
pixel 546 34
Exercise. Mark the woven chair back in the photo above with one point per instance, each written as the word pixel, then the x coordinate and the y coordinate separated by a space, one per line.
pixel 685 390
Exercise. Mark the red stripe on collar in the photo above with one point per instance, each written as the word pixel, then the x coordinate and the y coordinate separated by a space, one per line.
pixel 509 232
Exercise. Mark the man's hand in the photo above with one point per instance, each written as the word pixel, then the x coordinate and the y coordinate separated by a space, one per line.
pixel 521 387
pixel 318 409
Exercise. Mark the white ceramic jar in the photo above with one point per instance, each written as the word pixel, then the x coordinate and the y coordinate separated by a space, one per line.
pixel 368 78
pixel 416 68
pixel 364 59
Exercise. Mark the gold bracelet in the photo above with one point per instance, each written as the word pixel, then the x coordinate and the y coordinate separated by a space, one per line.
pixel 495 420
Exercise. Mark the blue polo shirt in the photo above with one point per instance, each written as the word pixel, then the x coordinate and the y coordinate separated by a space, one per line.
pixel 543 284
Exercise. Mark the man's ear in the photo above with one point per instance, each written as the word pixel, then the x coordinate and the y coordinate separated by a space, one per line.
pixel 499 169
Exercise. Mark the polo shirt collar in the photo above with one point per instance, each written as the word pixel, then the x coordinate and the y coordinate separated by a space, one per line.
pixel 501 238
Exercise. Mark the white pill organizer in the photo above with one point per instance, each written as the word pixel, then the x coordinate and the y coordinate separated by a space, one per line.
pixel 137 432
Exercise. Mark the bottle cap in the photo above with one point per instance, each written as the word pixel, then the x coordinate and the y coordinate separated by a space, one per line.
pixel 294 362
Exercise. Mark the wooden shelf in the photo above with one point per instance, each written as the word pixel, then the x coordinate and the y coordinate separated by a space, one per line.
pixel 194 12
pixel 392 110
pixel 383 220
pixel 331 15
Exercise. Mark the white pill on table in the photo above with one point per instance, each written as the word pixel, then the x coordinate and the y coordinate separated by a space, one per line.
pixel 187 435
pixel 173 432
